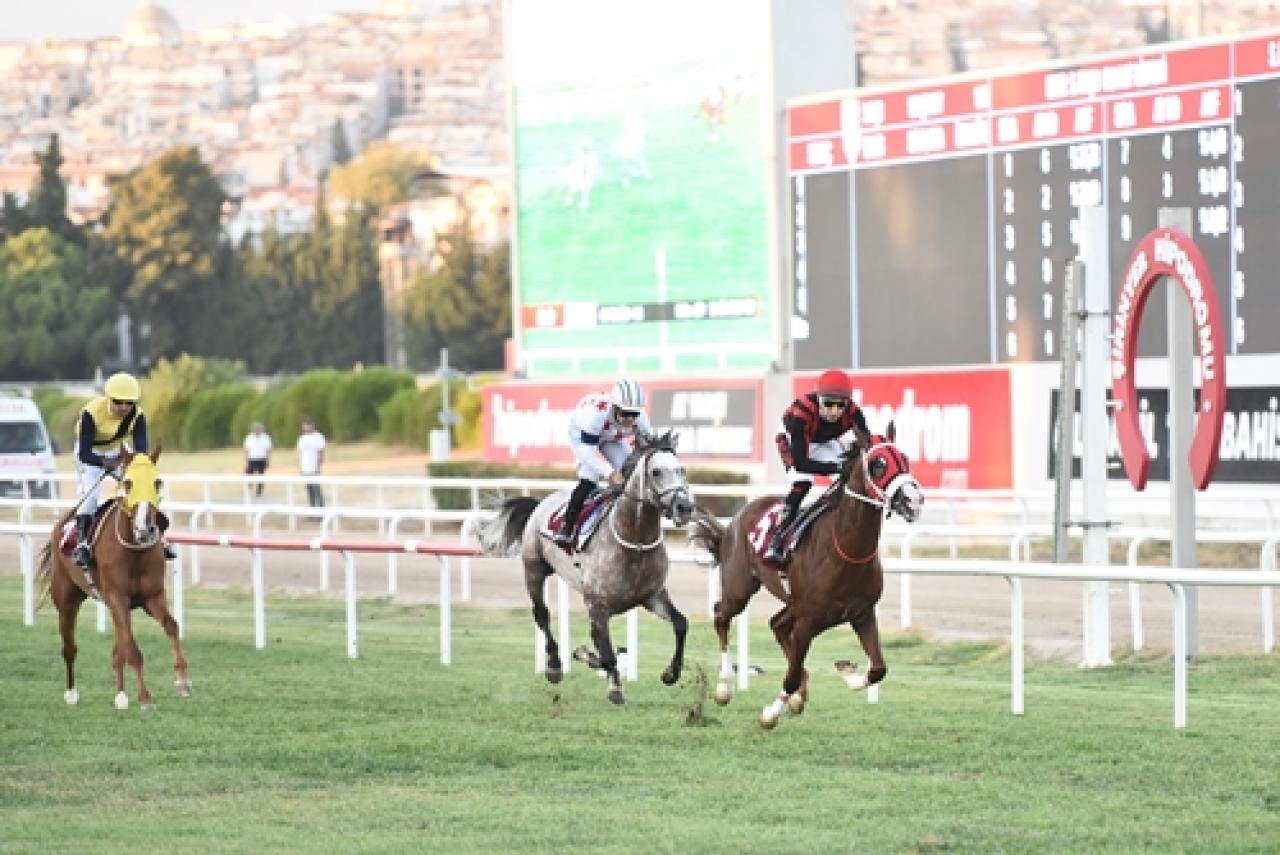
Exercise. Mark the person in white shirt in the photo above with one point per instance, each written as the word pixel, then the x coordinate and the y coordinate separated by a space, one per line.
pixel 310 457
pixel 601 432
pixel 257 452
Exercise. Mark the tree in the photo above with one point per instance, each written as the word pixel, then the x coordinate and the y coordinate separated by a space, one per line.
pixel 48 205
pixel 464 301
pixel 383 175
pixel 13 217
pixel 165 220
pixel 56 323
pixel 341 149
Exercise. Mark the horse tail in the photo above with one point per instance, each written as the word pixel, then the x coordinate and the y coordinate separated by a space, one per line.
pixel 500 535
pixel 705 531
pixel 44 575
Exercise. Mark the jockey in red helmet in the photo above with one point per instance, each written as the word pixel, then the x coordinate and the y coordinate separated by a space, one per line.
pixel 808 442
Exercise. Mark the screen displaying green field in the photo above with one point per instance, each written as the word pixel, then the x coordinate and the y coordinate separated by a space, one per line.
pixel 641 134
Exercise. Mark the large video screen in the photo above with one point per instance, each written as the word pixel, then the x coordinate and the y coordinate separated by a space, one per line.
pixel 642 186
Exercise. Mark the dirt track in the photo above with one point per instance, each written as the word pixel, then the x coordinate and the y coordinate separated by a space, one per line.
pixel 947 608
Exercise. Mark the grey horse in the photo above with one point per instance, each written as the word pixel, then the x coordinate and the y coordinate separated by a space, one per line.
pixel 623 564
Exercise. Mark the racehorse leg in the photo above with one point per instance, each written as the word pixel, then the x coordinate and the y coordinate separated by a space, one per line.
pixel 126 650
pixel 729 607
pixel 794 637
pixel 868 630
pixel 158 608
pixel 69 599
pixel 662 606
pixel 599 616
pixel 535 578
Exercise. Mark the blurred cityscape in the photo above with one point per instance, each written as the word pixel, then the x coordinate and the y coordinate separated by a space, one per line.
pixel 270 105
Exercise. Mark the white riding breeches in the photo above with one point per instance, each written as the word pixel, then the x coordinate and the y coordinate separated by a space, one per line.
pixel 91 482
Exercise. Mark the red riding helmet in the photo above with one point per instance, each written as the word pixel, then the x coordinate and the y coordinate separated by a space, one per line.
pixel 834 383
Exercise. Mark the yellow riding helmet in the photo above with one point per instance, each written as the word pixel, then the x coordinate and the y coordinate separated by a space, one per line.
pixel 123 387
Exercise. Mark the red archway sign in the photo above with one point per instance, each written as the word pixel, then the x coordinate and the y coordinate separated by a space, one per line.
pixel 1169 252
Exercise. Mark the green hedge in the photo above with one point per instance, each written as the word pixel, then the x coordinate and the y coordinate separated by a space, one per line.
pixel 210 416
pixel 60 412
pixel 353 406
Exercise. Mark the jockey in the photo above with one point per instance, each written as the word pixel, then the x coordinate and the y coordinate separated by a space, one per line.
pixel 808 441
pixel 102 429
pixel 599 430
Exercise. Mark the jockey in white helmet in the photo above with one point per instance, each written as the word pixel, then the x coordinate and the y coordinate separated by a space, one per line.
pixel 601 432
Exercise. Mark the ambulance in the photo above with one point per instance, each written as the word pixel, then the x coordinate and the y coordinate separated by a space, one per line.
pixel 25 450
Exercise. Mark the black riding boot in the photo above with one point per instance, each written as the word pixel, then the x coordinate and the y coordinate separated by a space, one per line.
pixel 82 555
pixel 799 490
pixel 571 511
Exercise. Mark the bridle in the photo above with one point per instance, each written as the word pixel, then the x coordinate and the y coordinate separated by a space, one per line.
pixel 657 501
pixel 881 498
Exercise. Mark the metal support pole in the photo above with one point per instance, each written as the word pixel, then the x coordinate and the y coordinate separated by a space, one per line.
pixel 1066 423
pixel 1093 414
pixel 1182 494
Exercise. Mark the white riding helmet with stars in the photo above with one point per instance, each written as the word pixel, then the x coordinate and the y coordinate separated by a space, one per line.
pixel 627 395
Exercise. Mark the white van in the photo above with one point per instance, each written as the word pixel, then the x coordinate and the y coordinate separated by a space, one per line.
pixel 25 450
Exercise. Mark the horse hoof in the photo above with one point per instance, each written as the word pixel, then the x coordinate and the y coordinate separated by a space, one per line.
pixel 122 701
pixel 849 673
pixel 670 676
pixel 184 687
pixel 724 694
pixel 71 696
pixel 554 675
pixel 616 698
pixel 795 703
pixel 148 707
pixel 768 722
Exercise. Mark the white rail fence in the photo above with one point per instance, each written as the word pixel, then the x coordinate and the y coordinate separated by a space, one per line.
pixel 1222 506
pixel 1013 571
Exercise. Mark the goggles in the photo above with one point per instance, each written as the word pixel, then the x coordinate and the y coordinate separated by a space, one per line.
pixel 120 403
pixel 628 414
pixel 834 403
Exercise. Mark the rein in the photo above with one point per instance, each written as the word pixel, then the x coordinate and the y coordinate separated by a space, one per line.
pixel 626 494
pixel 118 509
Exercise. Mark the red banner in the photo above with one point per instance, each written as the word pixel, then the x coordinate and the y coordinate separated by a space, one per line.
pixel 954 426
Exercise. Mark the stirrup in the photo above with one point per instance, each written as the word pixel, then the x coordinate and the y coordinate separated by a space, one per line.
pixel 564 537
pixel 169 552
pixel 82 557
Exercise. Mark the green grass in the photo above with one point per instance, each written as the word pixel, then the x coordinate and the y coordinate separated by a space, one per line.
pixel 297 748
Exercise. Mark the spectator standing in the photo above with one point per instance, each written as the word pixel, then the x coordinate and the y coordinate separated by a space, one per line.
pixel 257 452
pixel 310 458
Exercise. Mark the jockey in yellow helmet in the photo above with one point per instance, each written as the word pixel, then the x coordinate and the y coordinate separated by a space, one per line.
pixel 105 424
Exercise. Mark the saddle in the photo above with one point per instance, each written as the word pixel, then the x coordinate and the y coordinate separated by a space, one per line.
pixel 70 537
pixel 593 511
pixel 768 522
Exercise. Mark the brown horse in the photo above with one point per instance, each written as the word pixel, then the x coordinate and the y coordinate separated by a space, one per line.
pixel 127 573
pixel 834 574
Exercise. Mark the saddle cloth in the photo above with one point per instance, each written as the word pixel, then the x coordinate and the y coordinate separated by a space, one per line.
pixel 588 519
pixel 70 537
pixel 763 530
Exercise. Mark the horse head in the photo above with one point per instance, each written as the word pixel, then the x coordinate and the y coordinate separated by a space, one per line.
pixel 656 476
pixel 876 471
pixel 141 501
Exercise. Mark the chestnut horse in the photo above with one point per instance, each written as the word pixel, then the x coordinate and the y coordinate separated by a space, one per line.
pixel 128 572
pixel 623 564
pixel 834 574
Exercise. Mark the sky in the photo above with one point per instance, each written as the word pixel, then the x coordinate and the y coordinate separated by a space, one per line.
pixel 34 20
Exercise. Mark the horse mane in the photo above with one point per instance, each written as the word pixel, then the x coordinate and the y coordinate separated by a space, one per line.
pixel 646 445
